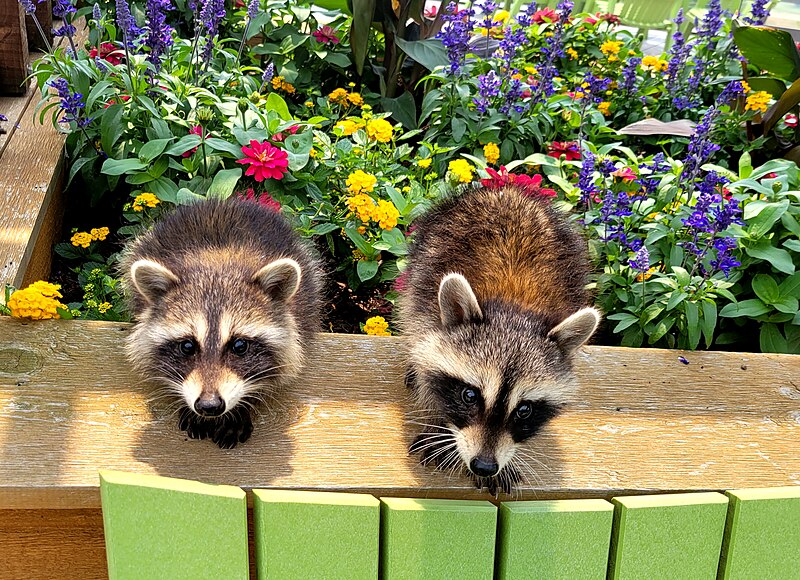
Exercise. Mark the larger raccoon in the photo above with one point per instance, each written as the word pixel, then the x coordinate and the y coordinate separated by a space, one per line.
pixel 493 311
pixel 226 298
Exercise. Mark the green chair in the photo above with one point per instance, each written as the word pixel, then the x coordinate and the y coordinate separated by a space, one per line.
pixel 645 15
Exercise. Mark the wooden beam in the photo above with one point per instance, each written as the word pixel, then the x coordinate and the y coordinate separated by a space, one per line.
pixel 13 48
pixel 643 422
pixel 44 14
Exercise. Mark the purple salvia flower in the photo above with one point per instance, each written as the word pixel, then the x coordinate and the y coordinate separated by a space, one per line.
pixel 96 14
pixel 455 35
pixel 552 50
pixel 586 178
pixel 607 167
pixel 510 45
pixel 29 6
pixel 211 14
pixel 629 74
pixel 758 13
pixel 641 260
pixel 512 97
pixel 126 23
pixel 71 103
pixel 67 30
pixel 62 7
pixel 158 33
pixel 269 72
pixel 488 88
pixel 252 9
pixel 710 27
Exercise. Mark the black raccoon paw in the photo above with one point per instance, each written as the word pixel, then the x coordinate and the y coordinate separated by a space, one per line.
pixel 233 429
pixel 196 427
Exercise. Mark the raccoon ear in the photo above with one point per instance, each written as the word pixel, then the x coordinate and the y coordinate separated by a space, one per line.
pixel 575 329
pixel 151 279
pixel 457 301
pixel 279 279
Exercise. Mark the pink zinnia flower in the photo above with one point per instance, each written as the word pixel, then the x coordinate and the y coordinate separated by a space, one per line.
pixel 567 148
pixel 626 174
pixel 430 12
pixel 108 52
pixel 279 137
pixel 196 130
pixel 611 18
pixel 544 15
pixel 530 186
pixel 264 198
pixel 790 120
pixel 326 35
pixel 265 160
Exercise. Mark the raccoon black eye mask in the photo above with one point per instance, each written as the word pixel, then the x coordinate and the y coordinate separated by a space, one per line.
pixel 226 301
pixel 492 317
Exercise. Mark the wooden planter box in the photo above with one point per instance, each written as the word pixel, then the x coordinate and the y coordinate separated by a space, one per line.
pixel 643 422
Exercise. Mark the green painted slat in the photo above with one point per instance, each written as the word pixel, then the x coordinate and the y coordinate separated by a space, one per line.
pixel 762 535
pixel 437 539
pixel 159 527
pixel 559 539
pixel 302 535
pixel 676 536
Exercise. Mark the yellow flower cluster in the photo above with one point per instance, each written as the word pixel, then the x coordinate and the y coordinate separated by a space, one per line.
pixel 82 239
pixel 104 307
pixel 377 326
pixel 642 276
pixel 611 47
pixel 758 101
pixel 572 53
pixel 362 205
pixel 360 181
pixel 38 301
pixel 279 84
pixel 144 200
pixel 491 152
pixel 349 126
pixel 745 87
pixel 654 63
pixel 425 163
pixel 99 234
pixel 461 169
pixel 355 98
pixel 338 96
pixel 605 108
pixel 386 214
pixel 379 130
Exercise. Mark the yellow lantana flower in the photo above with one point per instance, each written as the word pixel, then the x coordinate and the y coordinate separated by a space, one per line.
pixel 605 108
pixel 377 326
pixel 82 239
pixel 491 152
pixel 144 200
pixel 361 205
pixel 385 214
pixel 572 53
pixel 461 169
pixel 38 301
pixel 425 163
pixel 338 96
pixel 611 47
pixel 360 181
pixel 99 234
pixel 758 101
pixel 379 130
pixel 355 98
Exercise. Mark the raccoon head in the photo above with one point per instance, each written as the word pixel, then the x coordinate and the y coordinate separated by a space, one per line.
pixel 492 375
pixel 215 335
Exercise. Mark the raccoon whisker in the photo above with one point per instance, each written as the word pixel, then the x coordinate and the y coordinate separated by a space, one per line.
pixel 430 443
pixel 432 426
pixel 522 455
pixel 525 468
pixel 447 450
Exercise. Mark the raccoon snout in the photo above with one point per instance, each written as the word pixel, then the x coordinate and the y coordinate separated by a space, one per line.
pixel 484 466
pixel 210 406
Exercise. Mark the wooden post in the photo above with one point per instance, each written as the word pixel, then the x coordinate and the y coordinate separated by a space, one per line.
pixel 13 48
pixel 44 14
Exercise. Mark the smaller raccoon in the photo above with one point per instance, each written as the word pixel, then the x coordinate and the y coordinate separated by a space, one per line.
pixel 226 299
pixel 493 310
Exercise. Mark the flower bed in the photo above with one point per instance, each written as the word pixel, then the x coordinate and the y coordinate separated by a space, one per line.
pixel 352 134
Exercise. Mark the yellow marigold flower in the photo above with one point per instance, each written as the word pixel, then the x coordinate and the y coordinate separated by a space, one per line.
pixel 491 152
pixel 386 214
pixel 81 239
pixel 611 47
pixel 38 301
pixel 646 275
pixel 612 58
pixel 654 63
pixel 572 53
pixel 359 182
pixel 425 163
pixel 461 169
pixel 377 326
pixel 362 230
pixel 99 234
pixel 501 16
pixel 104 307
pixel 338 96
pixel 362 205
pixel 144 200
pixel 313 153
pixel 355 98
pixel 605 108
pixel 309 104
pixel 745 87
pixel 531 70
pixel 379 130
pixel 758 101
pixel 349 126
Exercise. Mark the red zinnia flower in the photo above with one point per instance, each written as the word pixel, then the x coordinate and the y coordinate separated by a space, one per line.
pixel 530 186
pixel 123 98
pixel 108 52
pixel 279 137
pixel 612 18
pixel 326 35
pixel 626 174
pixel 790 120
pixel 544 15
pixel 567 148
pixel 265 160
pixel 196 130
pixel 264 198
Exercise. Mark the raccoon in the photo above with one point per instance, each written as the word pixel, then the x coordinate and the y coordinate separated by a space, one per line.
pixel 226 299
pixel 493 311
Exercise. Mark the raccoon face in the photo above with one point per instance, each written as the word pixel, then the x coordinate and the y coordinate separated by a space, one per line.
pixel 216 339
pixel 492 376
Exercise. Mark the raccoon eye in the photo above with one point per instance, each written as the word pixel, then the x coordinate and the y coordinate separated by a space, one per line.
pixel 188 347
pixel 239 346
pixel 524 411
pixel 469 396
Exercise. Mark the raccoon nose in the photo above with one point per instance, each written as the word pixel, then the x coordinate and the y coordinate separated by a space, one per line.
pixel 483 467
pixel 212 406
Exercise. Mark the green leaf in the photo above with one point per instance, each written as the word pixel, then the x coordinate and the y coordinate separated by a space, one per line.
pixel 793 245
pixel 709 321
pixel 786 305
pixel 397 199
pixel 766 288
pixel 111 127
pixel 676 298
pixel 780 259
pixel 323 229
pixel 771 339
pixel 750 308
pixel 153 149
pixel 367 269
pixel 363 11
pixel 120 166
pixel 222 145
pixel 184 144
pixel 139 178
pixel 789 100
pixel 769 49
pixel 771 85
pixel 224 183
pixel 745 166
pixel 430 52
pixel 298 148
pixel 650 313
pixel 763 216
pixel 186 196
pixel 692 324
pixel 626 322
pixel 276 103
pixel 682 275
pixel 458 127
pixel 790 286
pixel 359 241
pixel 403 109
pixel 662 328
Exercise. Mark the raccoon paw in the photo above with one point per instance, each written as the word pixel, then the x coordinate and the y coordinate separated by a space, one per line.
pixel 196 427
pixel 504 482
pixel 233 428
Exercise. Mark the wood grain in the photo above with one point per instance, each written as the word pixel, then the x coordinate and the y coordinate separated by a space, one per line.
pixel 13 48
pixel 643 422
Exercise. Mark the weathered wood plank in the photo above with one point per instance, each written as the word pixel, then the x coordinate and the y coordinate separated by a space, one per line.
pixel 13 48
pixel 643 422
